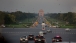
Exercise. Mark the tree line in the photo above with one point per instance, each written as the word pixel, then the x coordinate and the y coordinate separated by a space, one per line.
pixel 69 17
pixel 13 17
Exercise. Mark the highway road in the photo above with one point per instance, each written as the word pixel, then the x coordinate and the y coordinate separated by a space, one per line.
pixel 13 35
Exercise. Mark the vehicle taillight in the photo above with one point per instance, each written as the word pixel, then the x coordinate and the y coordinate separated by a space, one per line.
pixel 60 39
pixel 26 39
pixel 35 39
pixel 20 39
pixel 53 39
pixel 43 39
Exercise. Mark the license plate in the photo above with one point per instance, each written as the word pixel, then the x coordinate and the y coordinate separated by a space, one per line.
pixel 23 41
pixel 39 40
pixel 30 37
pixel 57 40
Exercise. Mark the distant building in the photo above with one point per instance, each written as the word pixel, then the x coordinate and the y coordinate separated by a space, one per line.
pixel 41 12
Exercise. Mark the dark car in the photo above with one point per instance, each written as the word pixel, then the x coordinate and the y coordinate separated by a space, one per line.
pixel 2 39
pixel 23 39
pixel 31 37
pixel 57 39
pixel 39 39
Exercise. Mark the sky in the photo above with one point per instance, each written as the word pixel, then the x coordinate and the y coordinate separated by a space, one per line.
pixel 49 6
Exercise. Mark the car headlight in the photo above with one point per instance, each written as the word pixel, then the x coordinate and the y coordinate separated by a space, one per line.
pixel 26 39
pixel 53 39
pixel 20 39
pixel 36 39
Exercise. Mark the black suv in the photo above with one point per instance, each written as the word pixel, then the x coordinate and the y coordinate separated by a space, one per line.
pixel 39 39
pixel 31 37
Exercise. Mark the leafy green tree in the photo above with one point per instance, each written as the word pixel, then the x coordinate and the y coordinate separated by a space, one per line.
pixel 12 17
pixel 1 17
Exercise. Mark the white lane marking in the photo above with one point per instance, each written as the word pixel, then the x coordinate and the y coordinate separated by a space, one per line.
pixel 70 33
pixel 74 33
pixel 18 32
pixel 63 33
pixel 8 32
pixel 53 32
pixel 27 32
pixel 14 34
pixel 37 32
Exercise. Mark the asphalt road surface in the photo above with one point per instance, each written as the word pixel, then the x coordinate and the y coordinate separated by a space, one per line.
pixel 13 35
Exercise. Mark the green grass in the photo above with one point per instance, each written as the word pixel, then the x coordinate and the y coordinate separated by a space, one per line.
pixel 62 24
pixel 28 20
pixel 17 25
pixel 24 23
pixel 67 27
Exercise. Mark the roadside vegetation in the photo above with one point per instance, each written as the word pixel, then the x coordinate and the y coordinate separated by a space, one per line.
pixel 17 19
pixel 63 20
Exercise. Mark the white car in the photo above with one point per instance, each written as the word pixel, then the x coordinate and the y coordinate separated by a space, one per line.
pixel 3 25
pixel 41 33
pixel 67 29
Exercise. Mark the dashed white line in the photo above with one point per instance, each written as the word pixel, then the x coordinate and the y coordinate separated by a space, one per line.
pixel 74 33
pixel 37 32
pixel 63 33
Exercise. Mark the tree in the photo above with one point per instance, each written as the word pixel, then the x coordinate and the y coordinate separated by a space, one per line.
pixel 12 17
pixel 1 18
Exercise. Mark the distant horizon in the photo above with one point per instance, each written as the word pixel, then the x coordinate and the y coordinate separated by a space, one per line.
pixel 31 12
pixel 35 12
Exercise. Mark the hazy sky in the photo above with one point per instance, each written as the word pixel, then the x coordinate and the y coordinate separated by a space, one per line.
pixel 51 6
